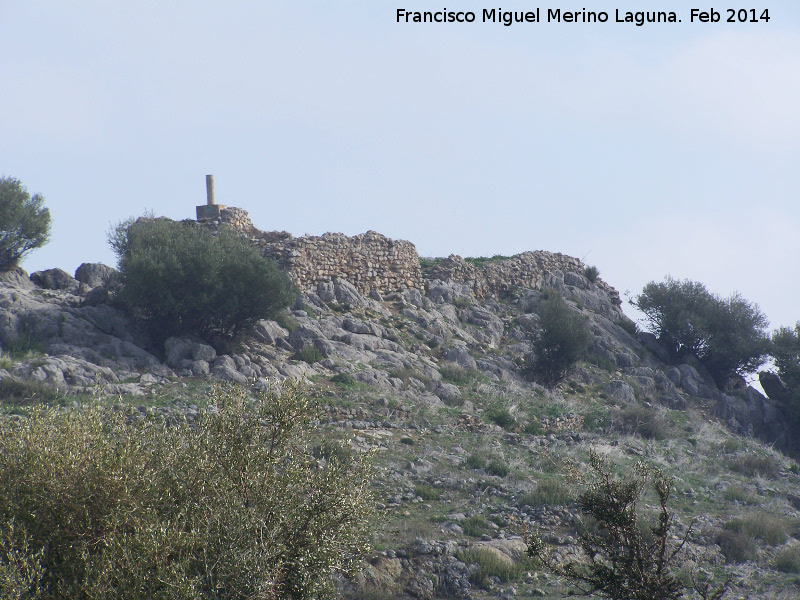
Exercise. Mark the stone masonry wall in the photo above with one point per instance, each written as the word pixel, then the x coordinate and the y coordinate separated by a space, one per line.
pixel 525 270
pixel 373 262
pixel 370 261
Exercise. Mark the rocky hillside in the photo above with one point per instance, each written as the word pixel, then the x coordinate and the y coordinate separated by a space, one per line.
pixel 471 451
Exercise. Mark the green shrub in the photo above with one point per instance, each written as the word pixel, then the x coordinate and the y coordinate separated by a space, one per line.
pixel 309 354
pixel 497 467
pixel 427 492
pixel 502 417
pixel 591 273
pixel 343 379
pixel 562 340
pixel 727 335
pixel 287 321
pixel 24 222
pixel 179 279
pixel 477 460
pixel 234 506
pixel 624 555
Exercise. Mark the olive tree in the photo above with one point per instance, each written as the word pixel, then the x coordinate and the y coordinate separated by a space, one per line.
pixel 236 505
pixel 727 335
pixel 24 222
pixel 179 279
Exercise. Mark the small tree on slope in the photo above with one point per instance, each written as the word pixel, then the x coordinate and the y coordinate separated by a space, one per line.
pixel 622 559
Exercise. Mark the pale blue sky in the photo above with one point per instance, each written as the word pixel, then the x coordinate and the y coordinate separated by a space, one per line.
pixel 654 150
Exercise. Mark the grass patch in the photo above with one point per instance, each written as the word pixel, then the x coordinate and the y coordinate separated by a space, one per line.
pixel 641 420
pixel 309 354
pixel 427 492
pixel 739 493
pixel 759 526
pixel 457 375
pixel 476 526
pixel 787 560
pixel 493 465
pixel 492 564
pixel 549 492
pixel 287 321
pixel 14 391
pixel 751 465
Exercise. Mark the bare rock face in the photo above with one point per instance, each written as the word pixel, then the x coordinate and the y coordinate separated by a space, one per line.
pixel 55 279
pixel 95 274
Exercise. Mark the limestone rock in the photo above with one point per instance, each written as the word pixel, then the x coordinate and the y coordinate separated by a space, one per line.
pixel 55 279
pixel 94 274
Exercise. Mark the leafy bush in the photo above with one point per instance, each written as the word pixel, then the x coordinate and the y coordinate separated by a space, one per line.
pixel 786 352
pixel 591 273
pixel 727 335
pixel 309 354
pixel 234 506
pixel 24 222
pixel 181 280
pixel 563 339
pixel 502 417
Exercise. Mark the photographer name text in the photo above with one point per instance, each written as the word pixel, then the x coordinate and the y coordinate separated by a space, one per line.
pixel 557 15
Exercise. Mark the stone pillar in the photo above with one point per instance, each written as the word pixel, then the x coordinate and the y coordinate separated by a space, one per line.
pixel 210 190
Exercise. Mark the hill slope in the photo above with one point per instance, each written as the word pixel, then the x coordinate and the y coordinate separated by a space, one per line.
pixel 471 451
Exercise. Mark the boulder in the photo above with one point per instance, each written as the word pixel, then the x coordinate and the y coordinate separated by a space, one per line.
pixel 177 350
pixel 16 277
pixel 618 389
pixel 462 357
pixel 269 331
pixel 94 274
pixel 55 279
pixel 449 394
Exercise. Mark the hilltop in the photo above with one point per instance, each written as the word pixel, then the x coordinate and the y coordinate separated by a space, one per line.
pixel 424 361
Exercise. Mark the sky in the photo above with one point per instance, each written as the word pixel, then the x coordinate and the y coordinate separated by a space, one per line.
pixel 666 149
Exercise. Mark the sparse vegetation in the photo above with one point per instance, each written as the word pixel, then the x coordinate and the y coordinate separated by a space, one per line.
pixel 591 273
pixel 622 559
